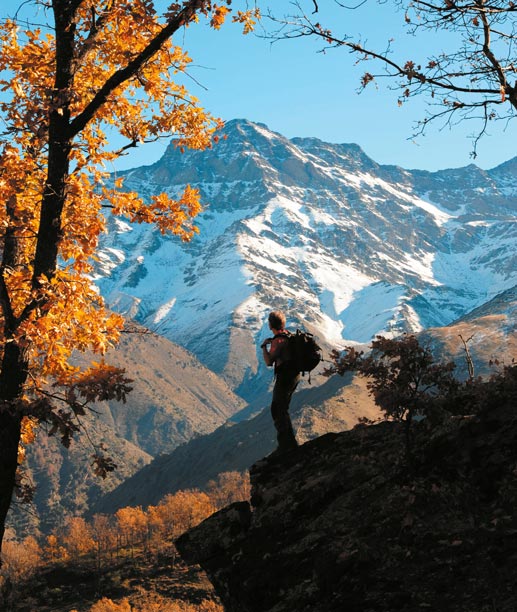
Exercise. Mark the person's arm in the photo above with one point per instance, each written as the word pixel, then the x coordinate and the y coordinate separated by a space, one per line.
pixel 268 359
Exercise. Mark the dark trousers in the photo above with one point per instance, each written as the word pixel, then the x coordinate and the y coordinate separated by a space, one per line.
pixel 285 384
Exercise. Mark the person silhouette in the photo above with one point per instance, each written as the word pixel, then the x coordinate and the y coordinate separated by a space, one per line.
pixel 275 352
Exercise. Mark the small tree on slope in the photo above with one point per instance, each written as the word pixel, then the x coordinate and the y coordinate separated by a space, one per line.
pixel 403 378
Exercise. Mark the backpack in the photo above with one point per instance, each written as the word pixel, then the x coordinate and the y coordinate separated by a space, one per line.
pixel 305 352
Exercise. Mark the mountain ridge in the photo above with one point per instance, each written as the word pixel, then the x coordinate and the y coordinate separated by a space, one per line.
pixel 348 248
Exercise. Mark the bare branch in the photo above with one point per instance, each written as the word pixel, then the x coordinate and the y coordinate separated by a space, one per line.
pixel 468 356
pixel 471 76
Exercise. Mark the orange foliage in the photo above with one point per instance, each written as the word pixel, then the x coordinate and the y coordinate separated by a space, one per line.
pixel 154 603
pixel 28 435
pixel 188 508
pixel 78 538
pixel 107 605
pixel 53 551
pixel 107 537
pixel 175 514
pixel 132 522
pixel 248 18
pixel 20 559
pixel 103 533
pixel 147 106
pixel 229 487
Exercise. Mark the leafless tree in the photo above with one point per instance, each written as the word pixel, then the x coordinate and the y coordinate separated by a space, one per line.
pixel 475 79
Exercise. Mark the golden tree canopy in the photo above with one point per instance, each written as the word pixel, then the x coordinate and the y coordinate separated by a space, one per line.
pixel 91 68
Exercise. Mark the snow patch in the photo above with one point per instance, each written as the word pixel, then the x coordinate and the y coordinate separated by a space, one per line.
pixel 263 132
pixel 121 226
pixel 372 311
pixel 163 311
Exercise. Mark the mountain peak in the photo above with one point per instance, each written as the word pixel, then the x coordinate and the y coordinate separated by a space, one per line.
pixel 348 247
pixel 245 124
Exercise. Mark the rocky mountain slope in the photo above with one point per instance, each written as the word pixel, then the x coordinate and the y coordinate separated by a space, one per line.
pixel 343 523
pixel 347 247
pixel 490 334
pixel 174 399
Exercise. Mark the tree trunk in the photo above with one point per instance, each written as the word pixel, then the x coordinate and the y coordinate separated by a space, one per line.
pixel 59 146
pixel 10 426
pixel 61 132
pixel 13 374
pixel 12 380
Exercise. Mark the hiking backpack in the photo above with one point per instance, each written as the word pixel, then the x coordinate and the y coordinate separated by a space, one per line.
pixel 305 352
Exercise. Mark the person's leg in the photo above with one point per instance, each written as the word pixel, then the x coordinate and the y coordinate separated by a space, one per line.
pixel 283 390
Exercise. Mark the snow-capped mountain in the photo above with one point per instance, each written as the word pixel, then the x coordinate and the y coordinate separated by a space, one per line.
pixel 347 247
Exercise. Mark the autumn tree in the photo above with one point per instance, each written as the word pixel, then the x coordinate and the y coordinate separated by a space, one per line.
pixel 161 525
pixel 87 66
pixel 77 538
pixel 22 558
pixel 229 487
pixel 53 550
pixel 132 524
pixel 185 509
pixel 471 75
pixel 103 536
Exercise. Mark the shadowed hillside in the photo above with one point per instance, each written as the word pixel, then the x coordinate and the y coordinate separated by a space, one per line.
pixel 336 405
pixel 174 399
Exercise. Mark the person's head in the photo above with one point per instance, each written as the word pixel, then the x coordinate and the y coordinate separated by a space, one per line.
pixel 276 320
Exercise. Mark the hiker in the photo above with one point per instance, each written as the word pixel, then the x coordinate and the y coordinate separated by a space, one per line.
pixel 276 352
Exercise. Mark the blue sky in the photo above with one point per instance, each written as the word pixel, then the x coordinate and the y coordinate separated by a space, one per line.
pixel 298 91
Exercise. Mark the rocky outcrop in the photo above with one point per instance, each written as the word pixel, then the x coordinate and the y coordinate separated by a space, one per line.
pixel 343 524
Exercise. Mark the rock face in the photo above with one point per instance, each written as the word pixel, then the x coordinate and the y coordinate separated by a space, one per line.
pixel 342 524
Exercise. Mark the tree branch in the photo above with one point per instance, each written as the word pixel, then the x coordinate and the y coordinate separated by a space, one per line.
pixel 408 72
pixel 96 27
pixel 184 17
pixel 487 51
